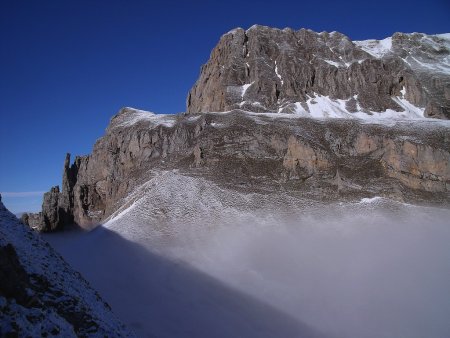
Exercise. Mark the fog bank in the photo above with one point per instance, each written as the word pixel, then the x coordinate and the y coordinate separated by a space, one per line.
pixel 377 268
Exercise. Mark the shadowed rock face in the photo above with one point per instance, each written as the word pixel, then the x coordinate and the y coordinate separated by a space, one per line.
pixel 57 207
pixel 42 296
pixel 323 160
pixel 268 70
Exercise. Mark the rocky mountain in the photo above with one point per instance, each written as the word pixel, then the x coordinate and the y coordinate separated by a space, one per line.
pixel 264 69
pixel 327 160
pixel 281 111
pixel 41 295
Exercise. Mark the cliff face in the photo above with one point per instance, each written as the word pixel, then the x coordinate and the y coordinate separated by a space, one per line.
pixel 57 207
pixel 325 160
pixel 264 69
pixel 381 144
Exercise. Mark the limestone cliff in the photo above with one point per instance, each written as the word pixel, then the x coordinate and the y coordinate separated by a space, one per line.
pixel 381 142
pixel 326 159
pixel 264 69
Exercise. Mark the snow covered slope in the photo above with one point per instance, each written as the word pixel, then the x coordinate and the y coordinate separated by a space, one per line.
pixel 41 295
pixel 420 51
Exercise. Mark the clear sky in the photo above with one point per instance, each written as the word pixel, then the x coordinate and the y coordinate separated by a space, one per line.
pixel 66 67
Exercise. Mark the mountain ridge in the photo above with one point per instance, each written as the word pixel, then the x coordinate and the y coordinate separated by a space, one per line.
pixel 322 159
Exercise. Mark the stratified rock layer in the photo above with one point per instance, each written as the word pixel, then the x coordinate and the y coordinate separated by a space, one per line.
pixel 327 159
pixel 270 70
pixel 303 73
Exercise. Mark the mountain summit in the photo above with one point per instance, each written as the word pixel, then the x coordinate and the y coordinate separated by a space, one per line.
pixel 264 69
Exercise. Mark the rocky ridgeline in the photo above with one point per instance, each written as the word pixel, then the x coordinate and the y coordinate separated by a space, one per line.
pixel 285 71
pixel 268 70
pixel 326 160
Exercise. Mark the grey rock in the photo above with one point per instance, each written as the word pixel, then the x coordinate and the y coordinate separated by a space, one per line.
pixel 271 70
pixel 57 206
pixel 265 69
pixel 331 159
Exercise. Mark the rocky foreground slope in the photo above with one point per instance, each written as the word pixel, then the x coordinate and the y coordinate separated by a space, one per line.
pixel 303 113
pixel 41 296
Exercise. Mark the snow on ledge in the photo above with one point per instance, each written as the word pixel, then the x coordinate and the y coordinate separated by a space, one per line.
pixel 277 73
pixel 129 116
pixel 320 107
pixel 376 48
pixel 244 88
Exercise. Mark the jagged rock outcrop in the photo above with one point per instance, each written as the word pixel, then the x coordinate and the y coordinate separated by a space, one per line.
pixel 57 206
pixel 41 296
pixel 264 69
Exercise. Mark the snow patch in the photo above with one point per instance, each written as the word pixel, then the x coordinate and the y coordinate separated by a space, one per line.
pixel 130 116
pixel 446 39
pixel 244 88
pixel 376 48
pixel 445 36
pixel 333 63
pixel 278 74
pixel 410 111
pixel 233 31
pixel 323 107
pixel 193 118
pixel 370 200
pixel 441 67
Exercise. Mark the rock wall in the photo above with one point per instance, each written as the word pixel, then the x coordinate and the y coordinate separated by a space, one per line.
pixel 264 69
pixel 324 159
pixel 57 206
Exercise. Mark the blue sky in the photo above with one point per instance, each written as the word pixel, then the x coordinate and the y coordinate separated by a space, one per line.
pixel 68 66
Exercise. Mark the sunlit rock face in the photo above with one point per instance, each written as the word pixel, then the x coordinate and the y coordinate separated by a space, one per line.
pixel 265 69
pixel 304 112
pixel 324 160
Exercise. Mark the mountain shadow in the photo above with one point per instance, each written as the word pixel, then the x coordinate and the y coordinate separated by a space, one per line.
pixel 160 298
